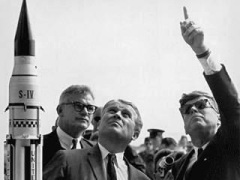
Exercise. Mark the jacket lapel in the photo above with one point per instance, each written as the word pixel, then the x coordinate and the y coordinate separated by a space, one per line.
pixel 86 144
pixel 96 163
pixel 131 171
pixel 184 165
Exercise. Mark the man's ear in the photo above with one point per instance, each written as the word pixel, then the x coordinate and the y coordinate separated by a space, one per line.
pixel 135 135
pixel 59 110
pixel 219 121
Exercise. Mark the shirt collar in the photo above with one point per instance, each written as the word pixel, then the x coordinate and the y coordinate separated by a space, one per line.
pixel 65 139
pixel 105 152
pixel 203 147
pixel 196 148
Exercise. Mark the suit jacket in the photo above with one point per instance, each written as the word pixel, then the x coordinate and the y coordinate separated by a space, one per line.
pixel 134 159
pixel 221 158
pixel 82 164
pixel 51 145
pixel 148 158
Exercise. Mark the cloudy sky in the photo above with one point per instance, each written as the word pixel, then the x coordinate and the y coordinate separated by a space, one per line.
pixel 129 49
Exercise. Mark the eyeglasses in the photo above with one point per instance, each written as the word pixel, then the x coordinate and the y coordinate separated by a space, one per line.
pixel 80 106
pixel 201 104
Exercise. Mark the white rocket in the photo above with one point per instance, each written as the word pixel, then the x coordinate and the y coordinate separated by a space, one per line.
pixel 23 143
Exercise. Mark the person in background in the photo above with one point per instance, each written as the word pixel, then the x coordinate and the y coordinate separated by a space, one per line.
pixel 96 118
pixel 212 122
pixel 75 110
pixel 189 146
pixel 182 144
pixel 95 123
pixel 147 156
pixel 156 136
pixel 92 134
pixel 105 160
pixel 148 148
pixel 168 143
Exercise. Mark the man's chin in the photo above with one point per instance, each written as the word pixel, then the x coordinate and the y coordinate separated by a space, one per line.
pixel 83 125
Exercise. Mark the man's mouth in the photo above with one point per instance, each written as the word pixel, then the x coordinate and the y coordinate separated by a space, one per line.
pixel 81 119
pixel 196 118
pixel 115 123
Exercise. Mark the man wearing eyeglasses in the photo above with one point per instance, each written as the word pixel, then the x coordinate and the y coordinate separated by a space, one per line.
pixel 214 129
pixel 75 110
pixel 105 160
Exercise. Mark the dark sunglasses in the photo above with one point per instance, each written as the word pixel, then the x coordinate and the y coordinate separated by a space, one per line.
pixel 80 106
pixel 201 104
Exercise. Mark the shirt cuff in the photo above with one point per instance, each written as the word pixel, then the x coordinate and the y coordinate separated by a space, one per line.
pixel 210 64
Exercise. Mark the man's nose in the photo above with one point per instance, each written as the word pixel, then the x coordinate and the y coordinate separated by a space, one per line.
pixel 117 115
pixel 193 109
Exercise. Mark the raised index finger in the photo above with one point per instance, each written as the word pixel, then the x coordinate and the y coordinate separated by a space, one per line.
pixel 185 13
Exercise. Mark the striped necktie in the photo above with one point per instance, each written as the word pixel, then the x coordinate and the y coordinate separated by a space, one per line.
pixel 74 142
pixel 111 172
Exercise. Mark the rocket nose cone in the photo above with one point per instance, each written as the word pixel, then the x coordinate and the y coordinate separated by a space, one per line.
pixel 24 42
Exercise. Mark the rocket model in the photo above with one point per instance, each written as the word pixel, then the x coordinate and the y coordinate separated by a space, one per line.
pixel 23 143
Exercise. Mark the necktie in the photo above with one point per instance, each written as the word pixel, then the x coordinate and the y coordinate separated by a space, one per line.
pixel 200 150
pixel 74 142
pixel 111 172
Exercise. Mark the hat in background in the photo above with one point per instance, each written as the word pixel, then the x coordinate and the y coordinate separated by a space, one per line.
pixel 155 132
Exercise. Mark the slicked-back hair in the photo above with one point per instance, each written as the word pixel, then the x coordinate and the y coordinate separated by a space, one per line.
pixel 138 120
pixel 197 94
pixel 76 90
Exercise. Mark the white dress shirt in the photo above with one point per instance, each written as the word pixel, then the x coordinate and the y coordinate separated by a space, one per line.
pixel 120 165
pixel 66 140
pixel 210 65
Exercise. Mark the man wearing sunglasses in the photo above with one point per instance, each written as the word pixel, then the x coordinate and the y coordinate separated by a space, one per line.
pixel 214 129
pixel 75 110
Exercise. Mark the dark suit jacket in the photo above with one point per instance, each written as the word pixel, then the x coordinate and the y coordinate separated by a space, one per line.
pixel 221 158
pixel 51 145
pixel 134 159
pixel 82 164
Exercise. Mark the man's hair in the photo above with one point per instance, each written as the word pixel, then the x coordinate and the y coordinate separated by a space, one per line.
pixel 138 120
pixel 197 94
pixel 76 90
pixel 147 139
pixel 168 141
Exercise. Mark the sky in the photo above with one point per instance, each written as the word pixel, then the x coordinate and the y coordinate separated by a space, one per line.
pixel 128 49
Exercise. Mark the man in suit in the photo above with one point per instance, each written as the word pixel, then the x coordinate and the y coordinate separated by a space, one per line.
pixel 130 154
pixel 156 136
pixel 214 128
pixel 116 131
pixel 75 109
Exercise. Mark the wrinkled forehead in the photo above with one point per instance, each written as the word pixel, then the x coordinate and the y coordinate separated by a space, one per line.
pixel 119 105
